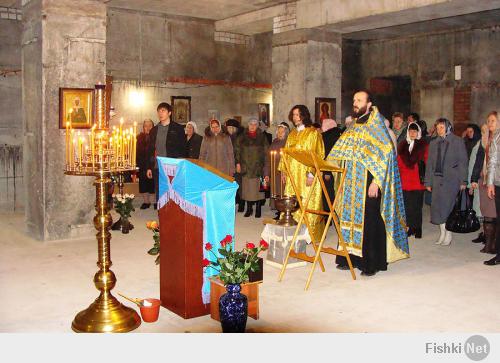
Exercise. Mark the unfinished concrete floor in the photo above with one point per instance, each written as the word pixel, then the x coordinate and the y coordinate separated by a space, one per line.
pixel 439 289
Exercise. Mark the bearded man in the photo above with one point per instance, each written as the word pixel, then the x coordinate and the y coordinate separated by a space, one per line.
pixel 370 205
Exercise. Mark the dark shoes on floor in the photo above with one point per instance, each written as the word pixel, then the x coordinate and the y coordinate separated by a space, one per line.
pixel 145 205
pixel 417 232
pixel 479 239
pixel 241 207
pixel 368 273
pixel 343 267
pixel 494 261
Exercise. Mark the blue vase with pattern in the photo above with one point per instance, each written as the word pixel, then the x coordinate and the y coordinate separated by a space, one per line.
pixel 233 309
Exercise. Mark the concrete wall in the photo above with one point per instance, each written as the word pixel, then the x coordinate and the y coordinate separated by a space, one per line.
pixel 430 60
pixel 158 48
pixel 11 126
pixel 62 46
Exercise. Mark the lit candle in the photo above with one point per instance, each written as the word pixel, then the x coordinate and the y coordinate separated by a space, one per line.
pixel 72 153
pixel 281 180
pixel 67 146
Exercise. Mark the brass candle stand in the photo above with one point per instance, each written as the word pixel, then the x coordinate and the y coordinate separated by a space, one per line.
pixel 106 314
pixel 286 205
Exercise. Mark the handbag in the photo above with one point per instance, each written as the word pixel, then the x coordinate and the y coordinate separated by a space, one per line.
pixel 263 185
pixel 463 218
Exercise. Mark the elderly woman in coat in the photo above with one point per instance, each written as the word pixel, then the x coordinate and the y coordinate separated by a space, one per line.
pixel 493 185
pixel 250 156
pixel 193 140
pixel 445 175
pixel 478 182
pixel 216 148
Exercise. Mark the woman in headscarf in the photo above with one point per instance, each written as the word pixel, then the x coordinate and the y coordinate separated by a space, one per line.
pixel 234 129
pixel 478 181
pixel 278 143
pixel 216 148
pixel 193 140
pixel 445 175
pixel 146 185
pixel 412 155
pixel 472 135
pixel 250 157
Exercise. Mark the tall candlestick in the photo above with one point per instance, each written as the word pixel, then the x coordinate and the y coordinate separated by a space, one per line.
pixel 281 179
pixel 67 143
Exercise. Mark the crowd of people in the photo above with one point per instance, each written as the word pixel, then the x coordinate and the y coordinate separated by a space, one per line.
pixel 396 165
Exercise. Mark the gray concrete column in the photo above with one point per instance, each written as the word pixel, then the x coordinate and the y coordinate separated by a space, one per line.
pixel 63 45
pixel 306 63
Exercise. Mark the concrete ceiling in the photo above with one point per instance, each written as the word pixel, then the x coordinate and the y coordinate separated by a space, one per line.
pixel 206 9
pixel 462 22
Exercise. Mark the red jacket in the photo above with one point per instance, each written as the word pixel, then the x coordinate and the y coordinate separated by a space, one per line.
pixel 408 163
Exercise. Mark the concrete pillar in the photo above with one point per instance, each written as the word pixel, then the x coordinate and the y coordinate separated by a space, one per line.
pixel 306 63
pixel 63 45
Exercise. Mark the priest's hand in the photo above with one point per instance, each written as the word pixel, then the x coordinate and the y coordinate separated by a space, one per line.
pixel 373 190
pixel 429 189
pixel 491 191
pixel 149 174
pixel 309 181
pixel 283 178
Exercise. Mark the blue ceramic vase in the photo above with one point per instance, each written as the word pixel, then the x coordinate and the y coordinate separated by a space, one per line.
pixel 233 309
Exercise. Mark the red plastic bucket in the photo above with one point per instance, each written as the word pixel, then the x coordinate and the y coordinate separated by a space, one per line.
pixel 150 313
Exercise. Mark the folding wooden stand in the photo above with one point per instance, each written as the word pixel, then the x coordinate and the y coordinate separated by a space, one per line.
pixel 309 159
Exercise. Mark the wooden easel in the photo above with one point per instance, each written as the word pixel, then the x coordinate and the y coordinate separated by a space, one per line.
pixel 309 159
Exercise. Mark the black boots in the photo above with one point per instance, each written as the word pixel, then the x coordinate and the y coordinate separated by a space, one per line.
pixel 418 232
pixel 249 211
pixel 490 228
pixel 241 206
pixel 258 208
pixel 479 239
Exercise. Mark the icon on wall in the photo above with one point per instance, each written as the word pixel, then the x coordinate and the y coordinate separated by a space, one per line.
pixel 264 113
pixel 76 105
pixel 324 108
pixel 181 109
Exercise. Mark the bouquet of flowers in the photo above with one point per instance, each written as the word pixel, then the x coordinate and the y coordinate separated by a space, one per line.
pixel 123 204
pixel 233 266
pixel 155 250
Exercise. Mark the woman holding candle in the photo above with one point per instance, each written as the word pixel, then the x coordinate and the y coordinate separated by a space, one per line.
pixel 146 185
pixel 272 175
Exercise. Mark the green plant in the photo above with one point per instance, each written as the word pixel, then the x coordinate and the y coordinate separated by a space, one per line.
pixel 123 204
pixel 155 250
pixel 233 266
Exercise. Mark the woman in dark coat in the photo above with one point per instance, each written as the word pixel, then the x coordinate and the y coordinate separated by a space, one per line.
pixel 193 141
pixel 250 157
pixel 278 143
pixel 471 137
pixel 412 153
pixel 445 175
pixel 234 130
pixel 146 185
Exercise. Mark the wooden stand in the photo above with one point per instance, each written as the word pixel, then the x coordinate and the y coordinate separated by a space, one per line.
pixel 309 159
pixel 250 289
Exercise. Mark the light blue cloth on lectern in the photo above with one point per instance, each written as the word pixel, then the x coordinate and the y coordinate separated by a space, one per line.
pixel 202 194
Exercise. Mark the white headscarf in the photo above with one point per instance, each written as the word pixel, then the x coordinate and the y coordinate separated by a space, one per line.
pixel 408 139
pixel 192 123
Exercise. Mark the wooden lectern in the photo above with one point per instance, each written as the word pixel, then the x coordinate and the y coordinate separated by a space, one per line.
pixel 310 159
pixel 181 241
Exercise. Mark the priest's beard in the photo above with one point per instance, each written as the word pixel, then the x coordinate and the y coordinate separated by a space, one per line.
pixel 358 112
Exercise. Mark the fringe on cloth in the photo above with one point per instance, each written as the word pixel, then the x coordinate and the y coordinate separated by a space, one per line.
pixel 187 207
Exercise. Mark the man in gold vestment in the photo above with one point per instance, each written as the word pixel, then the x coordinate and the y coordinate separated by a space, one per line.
pixel 304 137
